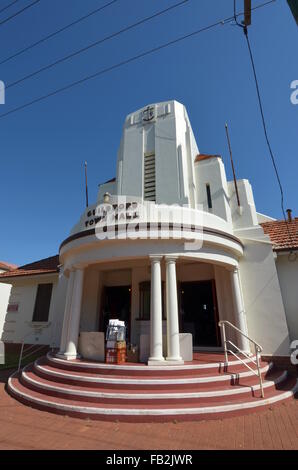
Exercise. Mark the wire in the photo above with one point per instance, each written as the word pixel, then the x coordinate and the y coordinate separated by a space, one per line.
pixel 9 5
pixel 265 126
pixel 96 43
pixel 245 30
pixel 19 12
pixel 127 61
pixel 109 69
pixel 57 32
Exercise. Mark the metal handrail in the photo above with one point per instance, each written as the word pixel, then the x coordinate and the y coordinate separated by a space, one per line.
pixel 258 349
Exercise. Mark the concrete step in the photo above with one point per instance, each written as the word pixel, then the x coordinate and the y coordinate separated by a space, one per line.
pixel 234 375
pixel 151 412
pixel 214 362
pixel 163 395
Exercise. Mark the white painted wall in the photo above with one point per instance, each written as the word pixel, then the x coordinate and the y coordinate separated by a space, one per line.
pixel 91 300
pixel 170 137
pixel 265 314
pixel 212 172
pixel 4 297
pixel 248 216
pixel 18 324
pixel 288 278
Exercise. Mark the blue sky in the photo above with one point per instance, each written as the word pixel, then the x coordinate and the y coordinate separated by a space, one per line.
pixel 44 146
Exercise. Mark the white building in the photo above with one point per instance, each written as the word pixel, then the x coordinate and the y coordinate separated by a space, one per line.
pixel 163 281
pixel 166 248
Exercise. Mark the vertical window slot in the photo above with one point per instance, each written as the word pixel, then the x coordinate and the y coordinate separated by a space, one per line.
pixel 149 177
pixel 209 198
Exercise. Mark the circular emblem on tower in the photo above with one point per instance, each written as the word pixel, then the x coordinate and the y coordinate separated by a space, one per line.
pixel 148 113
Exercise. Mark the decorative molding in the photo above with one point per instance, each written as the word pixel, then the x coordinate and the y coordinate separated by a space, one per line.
pixel 208 231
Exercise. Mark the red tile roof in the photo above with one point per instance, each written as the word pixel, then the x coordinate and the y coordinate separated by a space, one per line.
pixel 43 266
pixel 7 266
pixel 278 231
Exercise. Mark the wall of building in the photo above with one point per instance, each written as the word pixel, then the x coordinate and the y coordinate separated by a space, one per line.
pixel 288 278
pixel 4 297
pixel 170 138
pixel 90 302
pixel 18 325
pixel 263 302
pixel 212 172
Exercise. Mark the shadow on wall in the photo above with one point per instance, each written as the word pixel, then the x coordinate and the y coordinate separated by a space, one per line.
pixel 219 194
pixel 284 345
pixel 261 292
pixel 265 305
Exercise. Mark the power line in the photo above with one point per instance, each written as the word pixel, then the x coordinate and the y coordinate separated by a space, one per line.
pixel 96 43
pixel 9 5
pixel 127 61
pixel 16 54
pixel 19 12
pixel 245 30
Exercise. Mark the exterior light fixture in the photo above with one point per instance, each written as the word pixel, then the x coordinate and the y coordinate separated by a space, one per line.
pixel 106 197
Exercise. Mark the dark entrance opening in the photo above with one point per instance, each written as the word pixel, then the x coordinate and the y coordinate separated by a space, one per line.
pixel 116 303
pixel 198 313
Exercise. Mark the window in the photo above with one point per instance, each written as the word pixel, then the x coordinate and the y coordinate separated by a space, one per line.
pixel 145 296
pixel 149 177
pixel 209 198
pixel 42 302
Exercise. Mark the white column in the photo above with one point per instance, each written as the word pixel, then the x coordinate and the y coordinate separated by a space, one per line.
pixel 75 314
pixel 172 311
pixel 156 354
pixel 67 311
pixel 240 319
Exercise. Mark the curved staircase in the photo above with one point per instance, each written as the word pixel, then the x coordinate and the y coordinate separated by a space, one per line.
pixel 202 389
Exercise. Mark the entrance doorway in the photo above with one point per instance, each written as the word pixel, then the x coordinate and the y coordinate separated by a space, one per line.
pixel 116 303
pixel 198 313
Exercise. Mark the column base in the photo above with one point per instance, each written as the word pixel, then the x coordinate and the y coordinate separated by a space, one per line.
pixel 156 361
pixel 173 361
pixel 68 357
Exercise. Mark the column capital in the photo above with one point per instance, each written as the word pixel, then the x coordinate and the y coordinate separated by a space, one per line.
pixel 234 270
pixel 171 259
pixel 155 258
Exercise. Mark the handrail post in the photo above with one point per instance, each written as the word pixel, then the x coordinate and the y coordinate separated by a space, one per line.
pixel 258 349
pixel 21 355
pixel 259 371
pixel 225 343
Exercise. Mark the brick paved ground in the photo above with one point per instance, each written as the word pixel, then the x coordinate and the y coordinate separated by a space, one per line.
pixel 22 427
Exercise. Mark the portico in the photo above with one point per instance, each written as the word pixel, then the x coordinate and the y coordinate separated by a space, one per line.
pixel 164 273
